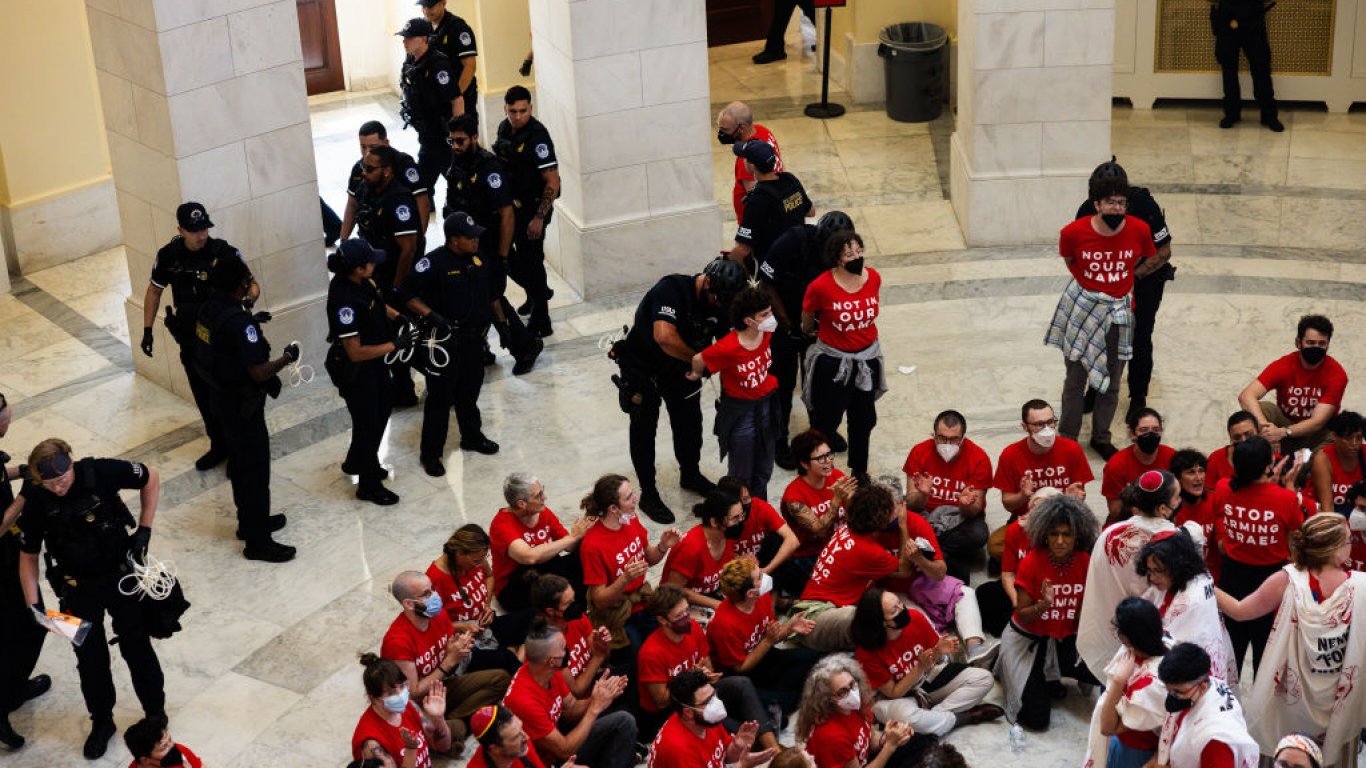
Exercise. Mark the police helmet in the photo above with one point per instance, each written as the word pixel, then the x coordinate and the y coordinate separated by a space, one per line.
pixel 1105 171
pixel 832 222
pixel 727 278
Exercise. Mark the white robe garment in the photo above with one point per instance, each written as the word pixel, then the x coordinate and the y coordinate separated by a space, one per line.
pixel 1217 716
pixel 1140 709
pixel 1193 617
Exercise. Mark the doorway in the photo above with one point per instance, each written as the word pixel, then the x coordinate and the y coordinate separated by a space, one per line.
pixel 321 46
pixel 737 21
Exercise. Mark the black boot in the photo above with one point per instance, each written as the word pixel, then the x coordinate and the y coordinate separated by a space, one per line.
pixel 7 735
pixel 101 731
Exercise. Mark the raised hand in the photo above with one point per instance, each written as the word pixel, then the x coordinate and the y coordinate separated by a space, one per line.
pixel 670 538
pixel 922 483
pixel 434 706
pixel 580 527
pixel 1046 596
pixel 601 641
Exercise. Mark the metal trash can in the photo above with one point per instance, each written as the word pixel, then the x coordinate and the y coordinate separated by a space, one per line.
pixel 915 55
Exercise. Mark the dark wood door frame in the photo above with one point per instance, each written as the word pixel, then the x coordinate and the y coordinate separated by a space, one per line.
pixel 321 45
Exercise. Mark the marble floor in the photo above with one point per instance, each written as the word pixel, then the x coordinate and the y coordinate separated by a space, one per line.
pixel 265 672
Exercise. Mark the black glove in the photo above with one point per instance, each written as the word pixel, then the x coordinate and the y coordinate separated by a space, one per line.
pixel 292 352
pixel 262 317
pixel 525 69
pixel 438 322
pixel 406 337
pixel 4 458
pixel 147 341
pixel 141 538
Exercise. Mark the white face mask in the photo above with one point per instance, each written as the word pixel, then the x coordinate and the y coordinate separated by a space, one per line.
pixel 714 712
pixel 1357 521
pixel 850 701
pixel 1045 437
pixel 626 518
pixel 769 324
pixel 765 584
pixel 947 451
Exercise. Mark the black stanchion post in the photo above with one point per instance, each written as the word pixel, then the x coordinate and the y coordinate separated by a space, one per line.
pixel 824 110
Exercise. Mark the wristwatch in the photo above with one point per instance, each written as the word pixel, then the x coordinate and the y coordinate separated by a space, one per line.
pixel 1288 433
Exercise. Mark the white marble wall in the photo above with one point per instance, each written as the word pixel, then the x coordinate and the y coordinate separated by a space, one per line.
pixel 623 87
pixel 205 100
pixel 1034 90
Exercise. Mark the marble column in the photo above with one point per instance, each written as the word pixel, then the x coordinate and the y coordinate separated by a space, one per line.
pixel 205 101
pixel 1034 93
pixel 623 87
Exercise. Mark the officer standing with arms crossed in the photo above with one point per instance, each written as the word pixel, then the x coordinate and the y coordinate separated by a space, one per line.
pixel 74 507
pixel 478 186
pixel 373 134
pixel 234 357
pixel 528 154
pixel 358 330
pixel 449 290
pixel 430 95
pixel 455 38
pixel 184 264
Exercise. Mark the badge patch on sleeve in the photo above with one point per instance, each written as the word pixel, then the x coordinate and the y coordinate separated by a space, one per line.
pixel 346 315
pixel 495 181
pixel 411 175
pixel 443 77
pixel 403 213
pixel 423 264
pixel 252 335
pixel 465 38
pixel 542 151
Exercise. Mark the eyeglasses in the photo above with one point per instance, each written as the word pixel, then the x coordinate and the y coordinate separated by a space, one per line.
pixel 1042 424
pixel 452 141
pixel 841 693
pixel 1115 202
pixel 824 457
pixel 370 168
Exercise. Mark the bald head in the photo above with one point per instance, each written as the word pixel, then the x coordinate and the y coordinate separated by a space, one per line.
pixel 409 585
pixel 736 115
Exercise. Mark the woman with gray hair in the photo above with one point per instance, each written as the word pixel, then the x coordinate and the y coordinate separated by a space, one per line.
pixel 836 723
pixel 1039 646
pixel 528 540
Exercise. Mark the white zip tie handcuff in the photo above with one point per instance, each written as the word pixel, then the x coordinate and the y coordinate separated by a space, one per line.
pixel 298 372
pixel 152 577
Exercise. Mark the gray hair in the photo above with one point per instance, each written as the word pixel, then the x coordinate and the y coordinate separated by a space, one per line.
pixel 404 586
pixel 517 487
pixel 1057 510
pixel 539 641
pixel 816 706
pixel 893 484
pixel 739 112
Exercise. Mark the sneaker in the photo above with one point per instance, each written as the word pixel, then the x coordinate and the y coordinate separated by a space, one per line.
pixel 268 550
pixel 210 460
pixel 767 57
pixel 1105 448
pixel 433 467
pixel 378 495
pixel 273 524
pixel 696 482
pixel 101 731
pixel 983 654
pixel 654 507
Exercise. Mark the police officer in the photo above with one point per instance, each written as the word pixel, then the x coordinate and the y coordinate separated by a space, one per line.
pixel 234 357
pixel 785 270
pixel 74 507
pixel 675 320
pixel 431 92
pixel 184 264
pixel 449 290
pixel 386 215
pixel 777 202
pixel 455 38
pixel 527 152
pixel 21 640
pixel 358 329
pixel 478 186
pixel 1240 25
pixel 1150 280
pixel 373 134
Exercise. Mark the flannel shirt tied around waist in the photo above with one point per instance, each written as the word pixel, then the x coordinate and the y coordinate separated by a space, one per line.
pixel 1080 323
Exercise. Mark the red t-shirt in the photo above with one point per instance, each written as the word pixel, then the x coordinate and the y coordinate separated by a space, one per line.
pixel 693 559
pixel 848 564
pixel 676 747
pixel 733 634
pixel 606 552
pixel 1299 389
pixel 1069 583
pixel 916 526
pixel 1203 514
pixel 507 528
pixel 818 499
pixel 847 321
pixel 1016 547
pixel 1217 467
pixel 463 598
pixel 1358 555
pixel 372 726
pixel 1342 480
pixel 405 642
pixel 539 708
pixel 1254 523
pixel 578 643
pixel 1063 465
pixel 1124 468
pixel 895 660
pixel 844 736
pixel 661 658
pixel 762 520
pixel 1106 263
pixel 742 173
pixel 532 759
pixel 744 372
pixel 191 759
pixel 971 468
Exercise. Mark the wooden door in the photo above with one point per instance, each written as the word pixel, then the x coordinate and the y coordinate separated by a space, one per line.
pixel 322 49
pixel 736 21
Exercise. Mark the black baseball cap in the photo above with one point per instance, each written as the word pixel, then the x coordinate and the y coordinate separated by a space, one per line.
pixel 758 152
pixel 461 224
pixel 357 251
pixel 416 28
pixel 427 3
pixel 192 217
pixel 54 466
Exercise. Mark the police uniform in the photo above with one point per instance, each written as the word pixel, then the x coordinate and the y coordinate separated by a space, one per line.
pixel 405 171
pixel 1240 25
pixel 526 154
pixel 429 86
pixel 359 311
pixel 771 208
pixel 789 264
pixel 86 532
pixel 455 287
pixel 186 272
pixel 455 38
pixel 22 639
pixel 383 216
pixel 1147 290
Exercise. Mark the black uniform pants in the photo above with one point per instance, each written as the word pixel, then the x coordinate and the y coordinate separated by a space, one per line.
pixel 788 354
pixel 512 332
pixel 248 459
pixel 457 385
pixel 1240 580
pixel 202 393
pixel 782 14
pixel 369 401
pixel 528 266
pixel 681 398
pixel 433 157
pixel 831 401
pixel 1147 299
pixel 21 640
pixel 1250 38
pixel 90 600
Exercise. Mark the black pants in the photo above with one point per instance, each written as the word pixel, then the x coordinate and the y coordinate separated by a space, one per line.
pixel 1147 300
pixel 962 545
pixel 510 631
pixel 458 386
pixel 995 606
pixel 791 577
pixel 368 400
pixel 742 702
pixel 202 393
pixel 830 402
pixel 90 600
pixel 1250 38
pixel 1036 705
pixel 433 158
pixel 782 13
pixel 681 399
pixel 331 223
pixel 781 673
pixel 528 266
pixel 515 595
pixel 1240 580
pixel 787 356
pixel 21 640
pixel 248 459
pixel 512 332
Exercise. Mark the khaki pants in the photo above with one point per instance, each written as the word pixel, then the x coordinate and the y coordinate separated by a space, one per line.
pixel 468 692
pixel 831 633
pixel 1273 413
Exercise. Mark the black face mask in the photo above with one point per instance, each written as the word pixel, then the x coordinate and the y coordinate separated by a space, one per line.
pixel 573 613
pixel 1112 220
pixel 746 506
pixel 1175 703
pixel 725 139
pixel 733 531
pixel 855 266
pixel 1148 442
pixel 173 757
pixel 1313 355
pixel 902 620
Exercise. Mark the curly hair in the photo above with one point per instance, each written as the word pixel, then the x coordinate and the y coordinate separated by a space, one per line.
pixel 870 509
pixel 1178 554
pixel 816 705
pixel 737 578
pixel 943 755
pixel 1058 510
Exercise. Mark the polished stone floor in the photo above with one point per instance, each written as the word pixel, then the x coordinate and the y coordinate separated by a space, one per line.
pixel 265 673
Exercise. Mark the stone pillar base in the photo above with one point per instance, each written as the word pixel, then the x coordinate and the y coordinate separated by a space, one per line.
pixel 1011 210
pixel 622 257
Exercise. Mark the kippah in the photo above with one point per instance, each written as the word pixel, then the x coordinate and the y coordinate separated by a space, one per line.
pixel 482 719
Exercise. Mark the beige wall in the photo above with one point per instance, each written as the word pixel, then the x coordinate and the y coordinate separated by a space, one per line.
pixel 864 19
